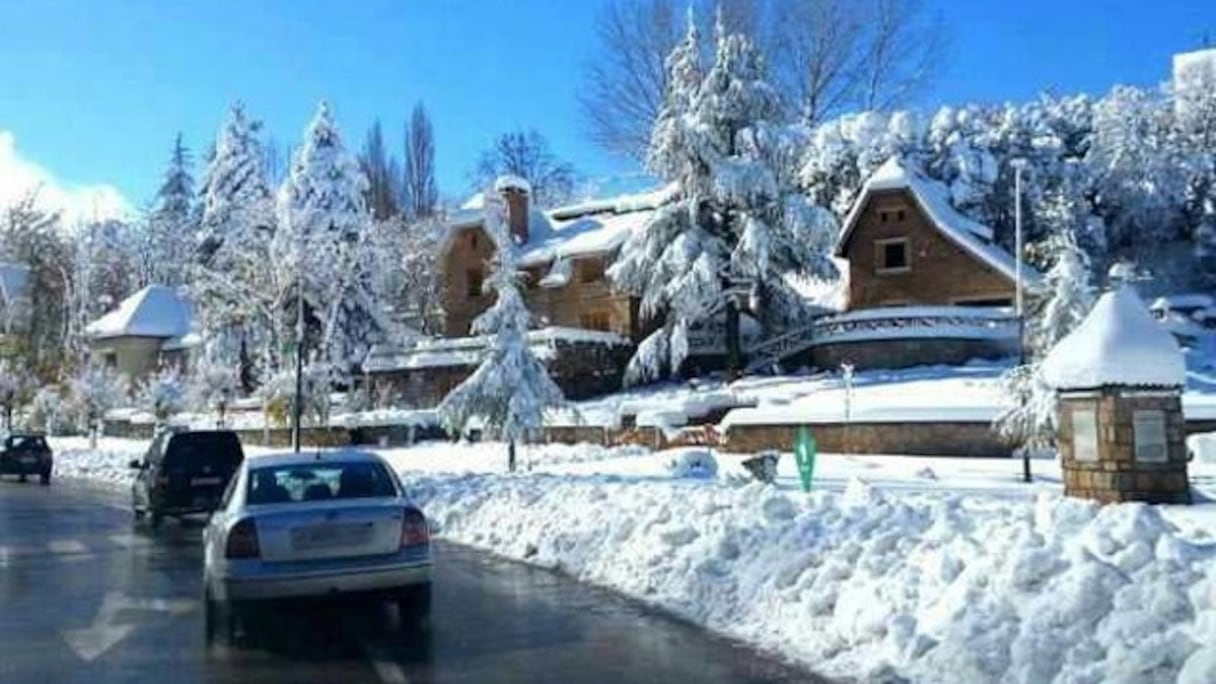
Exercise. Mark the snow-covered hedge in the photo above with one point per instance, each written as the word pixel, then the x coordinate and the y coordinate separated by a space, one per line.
pixel 929 588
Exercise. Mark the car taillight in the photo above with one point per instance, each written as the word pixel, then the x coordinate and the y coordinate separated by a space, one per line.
pixel 243 540
pixel 414 528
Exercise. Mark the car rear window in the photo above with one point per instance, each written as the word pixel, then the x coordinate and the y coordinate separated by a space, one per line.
pixel 22 442
pixel 319 482
pixel 192 450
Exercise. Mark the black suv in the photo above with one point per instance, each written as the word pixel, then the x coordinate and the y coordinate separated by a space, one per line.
pixel 183 473
pixel 25 455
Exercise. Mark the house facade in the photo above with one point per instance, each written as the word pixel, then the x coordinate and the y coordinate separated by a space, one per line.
pixel 907 246
pixel 146 331
pixel 586 330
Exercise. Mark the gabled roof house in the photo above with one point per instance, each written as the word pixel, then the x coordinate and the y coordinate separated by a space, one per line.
pixel 153 326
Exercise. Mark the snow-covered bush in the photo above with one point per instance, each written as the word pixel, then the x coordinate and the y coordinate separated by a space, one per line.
pixel 96 390
pixel 162 394
pixel 47 409
pixel 16 386
pixel 211 385
pixel 279 391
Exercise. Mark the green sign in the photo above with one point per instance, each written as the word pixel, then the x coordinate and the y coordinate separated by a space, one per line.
pixel 805 449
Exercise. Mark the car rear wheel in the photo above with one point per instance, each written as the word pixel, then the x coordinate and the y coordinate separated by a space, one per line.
pixel 414 606
pixel 21 477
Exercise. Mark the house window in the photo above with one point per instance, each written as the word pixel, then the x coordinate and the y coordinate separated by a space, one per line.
pixel 998 302
pixel 892 255
pixel 1085 434
pixel 882 217
pixel 591 270
pixel 1149 429
pixel 900 216
pixel 473 239
pixel 109 360
pixel 594 320
pixel 472 281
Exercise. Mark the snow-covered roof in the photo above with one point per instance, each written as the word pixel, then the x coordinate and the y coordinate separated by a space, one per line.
pixel 933 199
pixel 155 311
pixel 183 342
pixel 13 278
pixel 512 182
pixel 582 229
pixel 467 351
pixel 1182 302
pixel 1118 343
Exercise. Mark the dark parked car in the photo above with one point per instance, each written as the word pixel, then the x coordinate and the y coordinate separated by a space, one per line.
pixel 184 473
pixel 25 455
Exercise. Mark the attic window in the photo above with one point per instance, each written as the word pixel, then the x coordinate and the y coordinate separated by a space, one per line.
pixel 891 256
pixel 899 216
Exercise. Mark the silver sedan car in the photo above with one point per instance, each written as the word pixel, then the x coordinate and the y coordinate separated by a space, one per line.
pixel 294 527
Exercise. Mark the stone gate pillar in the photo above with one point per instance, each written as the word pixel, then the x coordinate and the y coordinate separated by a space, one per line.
pixel 1119 379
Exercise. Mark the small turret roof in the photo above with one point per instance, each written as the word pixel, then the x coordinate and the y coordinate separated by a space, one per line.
pixel 1118 343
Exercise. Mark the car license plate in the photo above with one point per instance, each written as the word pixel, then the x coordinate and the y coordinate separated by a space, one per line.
pixel 330 536
pixel 29 460
pixel 204 481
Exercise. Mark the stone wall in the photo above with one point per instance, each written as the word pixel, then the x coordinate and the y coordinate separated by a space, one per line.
pixel 939 271
pixel 1116 475
pixel 309 437
pixel 915 439
pixel 904 353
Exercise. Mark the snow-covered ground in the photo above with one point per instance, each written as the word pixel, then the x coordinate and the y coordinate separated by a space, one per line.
pixel 934 570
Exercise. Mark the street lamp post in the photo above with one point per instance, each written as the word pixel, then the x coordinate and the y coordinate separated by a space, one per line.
pixel 297 409
pixel 1019 304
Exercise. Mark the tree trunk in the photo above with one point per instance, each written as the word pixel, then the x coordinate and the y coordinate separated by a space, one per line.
pixel 733 353
pixel 511 455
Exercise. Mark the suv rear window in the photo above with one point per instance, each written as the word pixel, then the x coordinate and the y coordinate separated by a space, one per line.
pixel 319 482
pixel 189 451
pixel 24 442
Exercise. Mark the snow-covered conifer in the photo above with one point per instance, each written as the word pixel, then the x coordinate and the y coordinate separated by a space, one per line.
pixel 170 226
pixel 323 238
pixel 738 223
pixel 511 389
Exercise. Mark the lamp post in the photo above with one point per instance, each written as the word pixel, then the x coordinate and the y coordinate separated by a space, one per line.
pixel 1019 305
pixel 297 409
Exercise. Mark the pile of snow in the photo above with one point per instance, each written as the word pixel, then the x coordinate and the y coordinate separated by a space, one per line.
pixel 693 463
pixel 108 463
pixel 1118 343
pixel 1202 447
pixel 933 589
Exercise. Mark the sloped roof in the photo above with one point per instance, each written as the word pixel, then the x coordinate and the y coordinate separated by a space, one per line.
pixel 13 279
pixel 1118 343
pixel 155 311
pixel 932 197
pixel 582 229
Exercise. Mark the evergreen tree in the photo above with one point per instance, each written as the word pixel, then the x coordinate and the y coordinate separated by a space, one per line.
pixel 237 293
pixel 511 388
pixel 170 224
pixel 323 240
pixel 738 225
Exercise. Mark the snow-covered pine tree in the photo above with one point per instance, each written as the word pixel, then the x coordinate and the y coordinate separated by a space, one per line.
pixel 237 291
pixel 170 224
pixel 1068 295
pixel 738 224
pixel 511 389
pixel 323 239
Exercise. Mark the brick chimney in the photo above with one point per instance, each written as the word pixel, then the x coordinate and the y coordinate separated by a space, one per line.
pixel 514 191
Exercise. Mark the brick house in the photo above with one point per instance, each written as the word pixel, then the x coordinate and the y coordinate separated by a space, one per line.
pixel 907 246
pixel 586 329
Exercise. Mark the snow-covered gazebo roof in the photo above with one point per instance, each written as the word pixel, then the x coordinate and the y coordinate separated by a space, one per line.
pixel 1118 343
pixel 155 311
pixel 933 199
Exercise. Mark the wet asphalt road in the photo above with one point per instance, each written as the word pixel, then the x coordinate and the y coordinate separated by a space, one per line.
pixel 88 596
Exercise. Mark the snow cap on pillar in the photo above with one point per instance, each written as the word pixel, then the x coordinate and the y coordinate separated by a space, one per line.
pixel 514 191
pixel 1118 344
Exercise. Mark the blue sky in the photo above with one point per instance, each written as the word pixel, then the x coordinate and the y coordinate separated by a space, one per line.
pixel 94 91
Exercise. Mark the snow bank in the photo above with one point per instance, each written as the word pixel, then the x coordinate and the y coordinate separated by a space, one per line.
pixel 861 584
pixel 107 463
